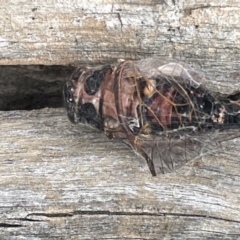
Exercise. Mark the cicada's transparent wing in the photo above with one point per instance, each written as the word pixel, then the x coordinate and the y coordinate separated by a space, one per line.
pixel 169 66
pixel 168 152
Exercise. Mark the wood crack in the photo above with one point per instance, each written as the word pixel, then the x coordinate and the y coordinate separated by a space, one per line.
pixel 114 213
pixel 7 225
pixel 120 20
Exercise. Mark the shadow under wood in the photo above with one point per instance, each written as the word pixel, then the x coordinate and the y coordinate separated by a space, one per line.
pixel 32 86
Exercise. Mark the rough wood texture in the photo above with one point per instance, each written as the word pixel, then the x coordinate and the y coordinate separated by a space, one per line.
pixel 58 182
pixel 61 181
pixel 203 32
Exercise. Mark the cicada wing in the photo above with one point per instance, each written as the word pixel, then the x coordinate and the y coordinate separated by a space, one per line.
pixel 167 153
pixel 164 154
pixel 174 68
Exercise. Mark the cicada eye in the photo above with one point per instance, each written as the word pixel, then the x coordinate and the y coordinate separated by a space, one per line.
pixel 91 85
pixel 87 113
pixel 96 78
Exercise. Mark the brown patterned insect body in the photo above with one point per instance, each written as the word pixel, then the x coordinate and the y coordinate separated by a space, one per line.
pixel 164 111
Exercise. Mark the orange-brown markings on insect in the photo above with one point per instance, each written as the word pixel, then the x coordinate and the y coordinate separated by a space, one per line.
pixel 125 90
pixel 162 107
pixel 150 87
pixel 183 92
pixel 128 88
pixel 109 112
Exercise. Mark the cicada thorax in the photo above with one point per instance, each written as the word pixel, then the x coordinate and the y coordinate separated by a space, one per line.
pixel 129 84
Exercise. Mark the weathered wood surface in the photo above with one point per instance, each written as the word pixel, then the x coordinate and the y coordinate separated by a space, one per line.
pixel 202 32
pixel 57 182
pixel 63 181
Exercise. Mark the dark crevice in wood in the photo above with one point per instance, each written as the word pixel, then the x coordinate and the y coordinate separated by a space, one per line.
pixel 25 219
pixel 56 215
pixel 32 86
pixel 49 215
pixel 7 225
pixel 120 20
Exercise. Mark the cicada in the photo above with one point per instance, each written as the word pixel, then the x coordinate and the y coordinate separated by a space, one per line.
pixel 163 110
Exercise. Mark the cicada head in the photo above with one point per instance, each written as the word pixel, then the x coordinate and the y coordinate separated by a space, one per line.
pixel 82 95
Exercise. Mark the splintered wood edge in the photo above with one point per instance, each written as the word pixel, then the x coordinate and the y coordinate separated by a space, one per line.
pixel 64 180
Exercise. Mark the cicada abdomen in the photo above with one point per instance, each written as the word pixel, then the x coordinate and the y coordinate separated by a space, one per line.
pixel 162 110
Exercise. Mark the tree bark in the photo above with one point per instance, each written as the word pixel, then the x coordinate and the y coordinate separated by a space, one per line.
pixel 64 181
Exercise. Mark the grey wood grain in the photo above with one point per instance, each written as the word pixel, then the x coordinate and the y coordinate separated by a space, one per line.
pixel 64 181
pixel 204 33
